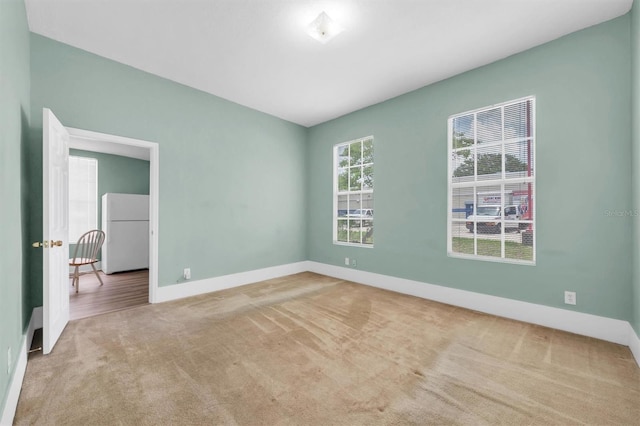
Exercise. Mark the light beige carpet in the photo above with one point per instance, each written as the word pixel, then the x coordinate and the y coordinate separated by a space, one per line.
pixel 313 350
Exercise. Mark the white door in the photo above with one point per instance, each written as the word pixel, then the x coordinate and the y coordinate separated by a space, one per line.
pixel 55 229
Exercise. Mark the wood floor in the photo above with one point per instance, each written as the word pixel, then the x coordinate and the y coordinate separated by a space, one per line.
pixel 120 291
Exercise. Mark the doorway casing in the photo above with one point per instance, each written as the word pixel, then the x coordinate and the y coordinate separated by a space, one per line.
pixel 120 145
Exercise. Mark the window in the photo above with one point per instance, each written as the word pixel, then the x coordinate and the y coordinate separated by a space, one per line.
pixel 353 193
pixel 83 196
pixel 492 183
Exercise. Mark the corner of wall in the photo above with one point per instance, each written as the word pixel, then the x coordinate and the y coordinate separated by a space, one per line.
pixel 307 198
pixel 634 344
pixel 635 167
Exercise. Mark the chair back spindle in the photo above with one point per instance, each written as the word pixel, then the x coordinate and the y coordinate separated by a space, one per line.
pixel 88 246
pixel 86 253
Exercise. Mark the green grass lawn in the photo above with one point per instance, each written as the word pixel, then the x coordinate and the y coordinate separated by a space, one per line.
pixel 492 248
pixel 354 235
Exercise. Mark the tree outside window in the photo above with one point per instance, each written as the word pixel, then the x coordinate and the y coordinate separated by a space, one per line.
pixel 353 193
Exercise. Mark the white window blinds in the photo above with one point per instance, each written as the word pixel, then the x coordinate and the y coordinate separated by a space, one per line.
pixel 492 183
pixel 83 196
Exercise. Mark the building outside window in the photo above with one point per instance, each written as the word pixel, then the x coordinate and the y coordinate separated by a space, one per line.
pixel 491 204
pixel 353 216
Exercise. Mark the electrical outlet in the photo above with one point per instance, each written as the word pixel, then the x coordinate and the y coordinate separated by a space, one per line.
pixel 570 297
pixel 346 261
pixel 9 360
pixel 187 274
pixel 354 263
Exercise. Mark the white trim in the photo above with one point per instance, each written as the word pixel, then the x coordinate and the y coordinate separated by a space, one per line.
pixel 342 243
pixel 15 385
pixel 88 140
pixel 609 329
pixel 490 258
pixel 634 344
pixel 193 288
pixel 100 141
pixel 154 219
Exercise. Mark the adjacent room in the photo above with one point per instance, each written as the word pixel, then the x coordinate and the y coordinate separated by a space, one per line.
pixel 391 212
pixel 96 179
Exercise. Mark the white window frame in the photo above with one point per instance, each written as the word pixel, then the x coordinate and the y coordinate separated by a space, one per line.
pixel 91 222
pixel 502 181
pixel 337 193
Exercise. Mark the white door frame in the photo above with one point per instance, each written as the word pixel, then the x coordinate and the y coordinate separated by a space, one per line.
pixel 154 168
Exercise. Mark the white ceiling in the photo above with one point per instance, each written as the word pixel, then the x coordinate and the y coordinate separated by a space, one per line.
pixel 256 52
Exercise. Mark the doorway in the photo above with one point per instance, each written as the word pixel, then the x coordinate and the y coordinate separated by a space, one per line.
pixel 92 175
pixel 55 212
pixel 124 289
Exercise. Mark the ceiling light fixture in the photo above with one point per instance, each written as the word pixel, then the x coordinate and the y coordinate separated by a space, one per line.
pixel 324 28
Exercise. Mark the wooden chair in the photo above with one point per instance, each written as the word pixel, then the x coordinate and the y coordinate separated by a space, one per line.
pixel 86 253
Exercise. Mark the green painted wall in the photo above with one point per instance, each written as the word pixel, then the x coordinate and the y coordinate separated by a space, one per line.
pixel 635 111
pixel 232 195
pixel 118 174
pixel 234 182
pixel 581 84
pixel 14 124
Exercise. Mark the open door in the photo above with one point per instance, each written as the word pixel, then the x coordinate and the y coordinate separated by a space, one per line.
pixel 55 229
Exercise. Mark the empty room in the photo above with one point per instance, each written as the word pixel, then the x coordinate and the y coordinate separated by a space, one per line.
pixel 384 212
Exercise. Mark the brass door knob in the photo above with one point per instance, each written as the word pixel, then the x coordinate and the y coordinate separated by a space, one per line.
pixel 47 244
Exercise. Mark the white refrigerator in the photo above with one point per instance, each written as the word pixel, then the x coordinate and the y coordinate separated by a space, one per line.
pixel 125 221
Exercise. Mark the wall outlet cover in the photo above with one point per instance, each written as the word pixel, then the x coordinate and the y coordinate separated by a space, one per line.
pixel 570 297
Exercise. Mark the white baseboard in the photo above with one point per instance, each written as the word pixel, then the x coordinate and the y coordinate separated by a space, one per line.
pixel 634 344
pixel 609 329
pixel 11 403
pixel 603 328
pixel 193 288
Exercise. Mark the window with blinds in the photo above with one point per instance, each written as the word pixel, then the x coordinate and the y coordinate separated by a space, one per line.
pixel 491 160
pixel 353 193
pixel 83 196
